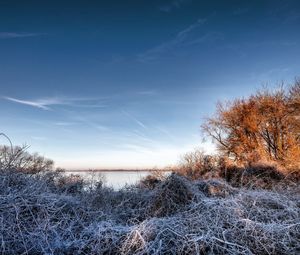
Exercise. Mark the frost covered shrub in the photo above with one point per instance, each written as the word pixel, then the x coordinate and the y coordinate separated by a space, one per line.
pixel 35 220
pixel 125 206
pixel 215 187
pixel 72 184
pixel 232 225
pixel 171 195
pixel 178 216
pixel 255 176
pixel 104 237
pixel 150 181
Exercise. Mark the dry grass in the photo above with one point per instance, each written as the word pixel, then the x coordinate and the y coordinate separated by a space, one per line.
pixel 177 216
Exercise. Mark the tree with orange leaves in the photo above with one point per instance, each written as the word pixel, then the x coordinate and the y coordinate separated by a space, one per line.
pixel 265 126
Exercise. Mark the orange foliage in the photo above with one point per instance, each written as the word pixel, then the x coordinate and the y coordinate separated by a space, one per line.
pixel 265 126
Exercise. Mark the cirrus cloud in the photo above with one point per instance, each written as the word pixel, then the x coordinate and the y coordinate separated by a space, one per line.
pixel 13 35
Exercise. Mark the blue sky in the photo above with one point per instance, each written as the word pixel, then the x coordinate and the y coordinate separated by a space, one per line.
pixel 126 84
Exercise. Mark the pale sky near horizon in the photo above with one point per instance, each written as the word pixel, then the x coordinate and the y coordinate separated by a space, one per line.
pixel 126 84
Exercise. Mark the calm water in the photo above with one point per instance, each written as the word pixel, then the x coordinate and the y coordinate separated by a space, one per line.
pixel 115 179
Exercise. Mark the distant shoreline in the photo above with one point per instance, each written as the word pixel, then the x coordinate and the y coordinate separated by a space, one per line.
pixel 120 170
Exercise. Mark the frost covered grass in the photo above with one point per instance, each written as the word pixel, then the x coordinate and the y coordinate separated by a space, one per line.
pixel 172 216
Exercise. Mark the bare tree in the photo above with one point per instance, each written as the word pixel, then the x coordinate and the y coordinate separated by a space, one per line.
pixel 197 163
pixel 16 157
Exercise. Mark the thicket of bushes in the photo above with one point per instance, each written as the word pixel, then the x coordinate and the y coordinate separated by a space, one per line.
pixel 267 175
pixel 174 216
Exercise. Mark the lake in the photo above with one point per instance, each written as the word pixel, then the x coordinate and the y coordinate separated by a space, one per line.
pixel 114 178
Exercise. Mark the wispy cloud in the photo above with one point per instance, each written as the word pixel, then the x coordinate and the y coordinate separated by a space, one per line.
pixel 292 17
pixel 135 147
pixel 64 124
pixel 242 49
pixel 240 11
pixel 172 5
pixel 288 13
pixel 183 34
pixel 279 43
pixel 274 74
pixel 46 103
pixel 208 37
pixel 141 136
pixel 39 138
pixel 187 36
pixel 165 132
pixel 77 118
pixel 147 92
pixel 140 123
pixel 42 104
pixel 12 35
